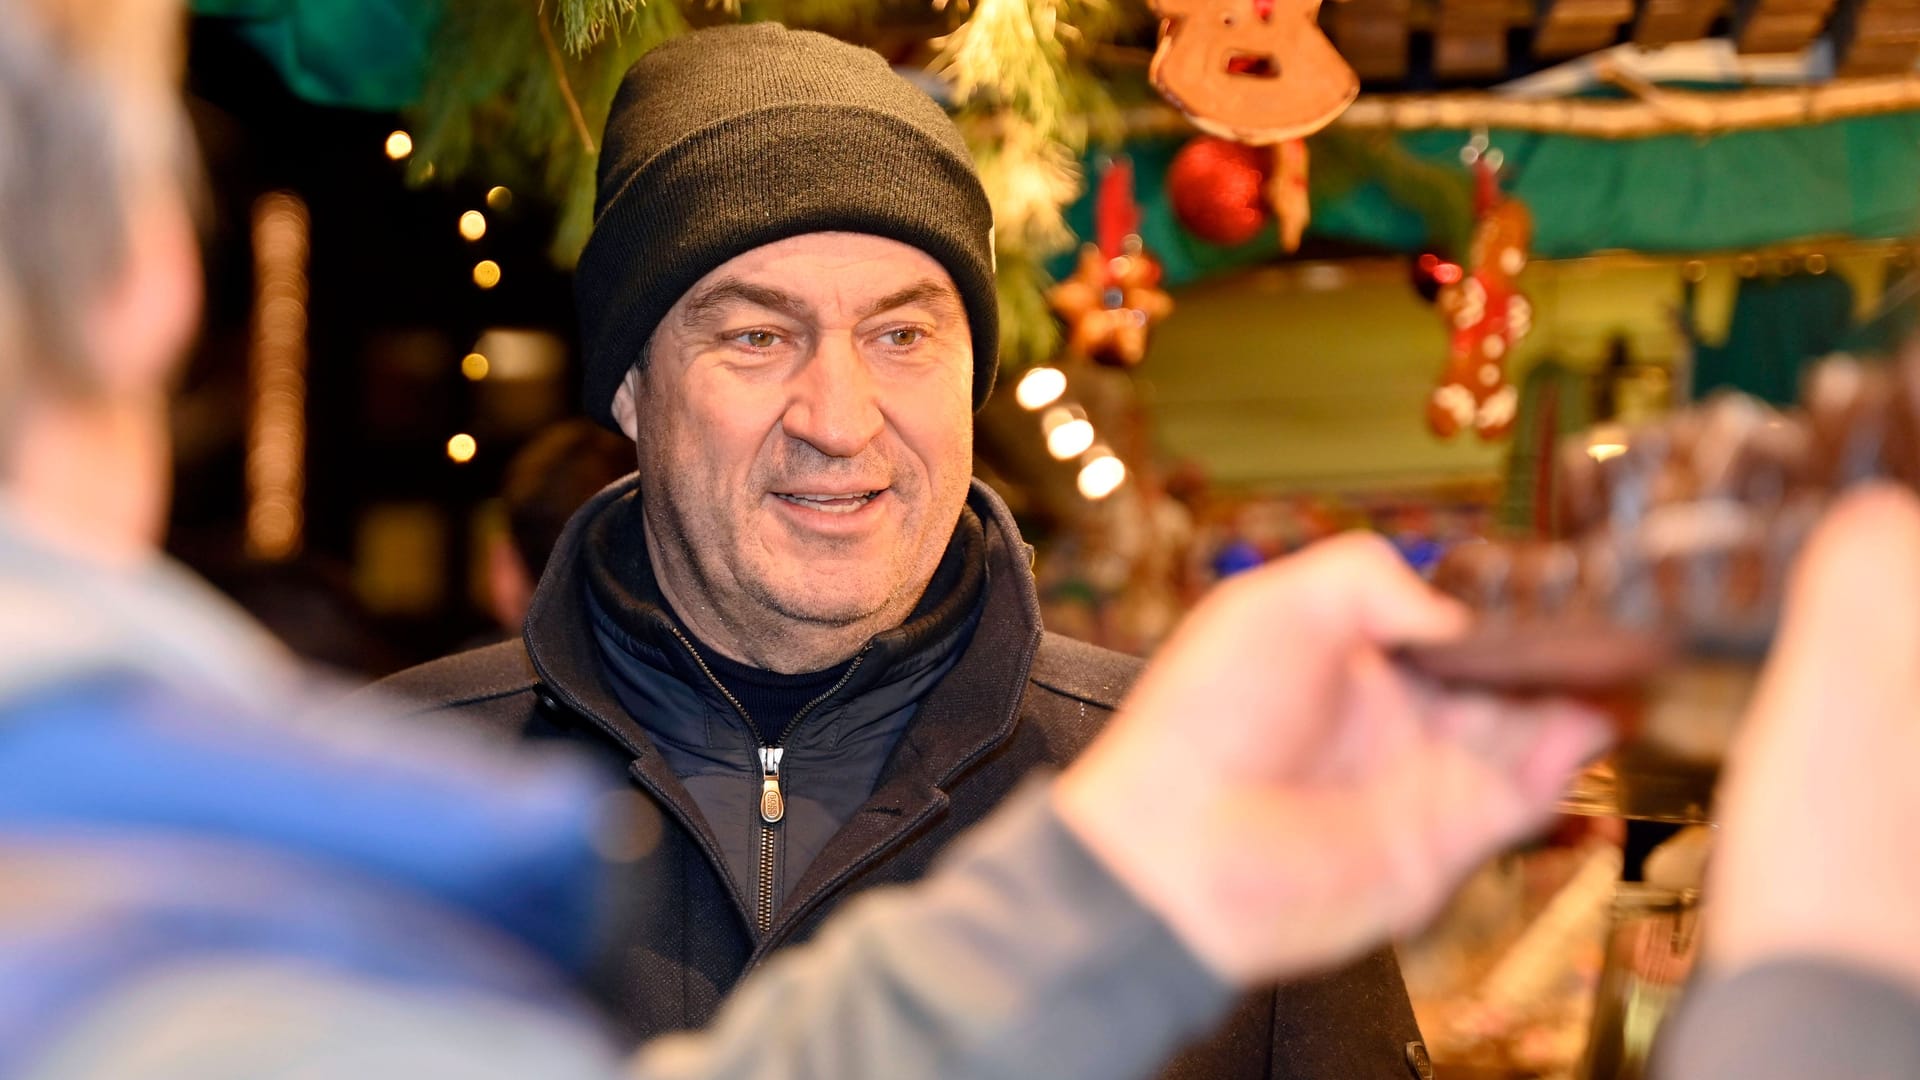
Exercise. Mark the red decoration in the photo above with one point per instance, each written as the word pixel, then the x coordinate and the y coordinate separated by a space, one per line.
pixel 1225 192
pixel 1113 298
pixel 1218 189
pixel 1487 316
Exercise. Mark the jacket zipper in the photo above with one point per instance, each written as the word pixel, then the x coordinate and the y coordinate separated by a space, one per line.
pixel 773 801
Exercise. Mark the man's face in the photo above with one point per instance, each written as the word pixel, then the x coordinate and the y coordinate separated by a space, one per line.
pixel 805 429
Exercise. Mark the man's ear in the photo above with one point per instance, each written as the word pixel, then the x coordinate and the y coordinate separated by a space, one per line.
pixel 624 404
pixel 142 325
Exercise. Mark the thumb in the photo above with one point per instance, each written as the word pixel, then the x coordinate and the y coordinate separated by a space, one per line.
pixel 1358 590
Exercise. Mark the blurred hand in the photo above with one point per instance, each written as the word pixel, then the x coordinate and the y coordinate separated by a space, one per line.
pixel 1284 795
pixel 1820 803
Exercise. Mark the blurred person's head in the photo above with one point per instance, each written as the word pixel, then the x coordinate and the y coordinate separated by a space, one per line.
pixel 548 480
pixel 99 267
pixel 788 303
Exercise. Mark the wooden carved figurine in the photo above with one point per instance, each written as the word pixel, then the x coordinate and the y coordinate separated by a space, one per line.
pixel 1255 71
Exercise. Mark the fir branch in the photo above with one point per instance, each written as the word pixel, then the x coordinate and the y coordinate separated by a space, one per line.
pixel 585 23
pixel 560 80
pixel 500 106
pixel 1009 51
pixel 1029 180
pixel 1029 334
pixel 1031 103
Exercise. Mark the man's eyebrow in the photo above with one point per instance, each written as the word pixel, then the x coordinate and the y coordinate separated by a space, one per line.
pixel 709 303
pixel 932 293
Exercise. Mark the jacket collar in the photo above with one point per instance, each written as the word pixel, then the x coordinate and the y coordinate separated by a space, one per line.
pixel 560 641
pixel 644 636
pixel 970 712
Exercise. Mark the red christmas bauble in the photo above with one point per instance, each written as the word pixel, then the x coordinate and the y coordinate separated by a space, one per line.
pixel 1218 189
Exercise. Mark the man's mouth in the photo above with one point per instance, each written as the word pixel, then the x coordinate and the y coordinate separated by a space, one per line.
pixel 832 503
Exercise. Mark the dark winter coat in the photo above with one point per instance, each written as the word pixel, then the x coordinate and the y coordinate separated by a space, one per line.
pixel 1015 699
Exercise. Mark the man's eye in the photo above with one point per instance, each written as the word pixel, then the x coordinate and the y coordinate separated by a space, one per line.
pixel 905 336
pixel 757 339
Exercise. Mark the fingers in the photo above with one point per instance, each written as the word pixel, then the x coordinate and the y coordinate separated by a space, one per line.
pixel 1564 739
pixel 1849 641
pixel 1356 588
pixel 1862 568
pixel 1817 802
pixel 1537 746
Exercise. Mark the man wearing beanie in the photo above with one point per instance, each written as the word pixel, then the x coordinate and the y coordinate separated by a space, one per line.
pixel 808 638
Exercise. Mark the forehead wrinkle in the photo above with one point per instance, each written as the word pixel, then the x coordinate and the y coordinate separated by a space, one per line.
pixel 928 291
pixel 711 302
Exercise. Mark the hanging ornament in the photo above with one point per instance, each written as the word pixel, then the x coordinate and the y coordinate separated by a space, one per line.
pixel 1288 192
pixel 1486 314
pixel 1254 71
pixel 1218 189
pixel 1113 298
pixel 1225 192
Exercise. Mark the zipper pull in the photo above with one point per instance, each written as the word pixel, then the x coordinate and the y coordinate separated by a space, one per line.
pixel 773 805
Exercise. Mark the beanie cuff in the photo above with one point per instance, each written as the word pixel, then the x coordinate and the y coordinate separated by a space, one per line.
pixel 765 176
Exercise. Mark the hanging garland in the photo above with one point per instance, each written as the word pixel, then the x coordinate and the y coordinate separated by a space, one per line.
pixel 518 90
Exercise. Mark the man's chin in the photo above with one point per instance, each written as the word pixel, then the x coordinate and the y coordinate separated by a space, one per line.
pixel 828 600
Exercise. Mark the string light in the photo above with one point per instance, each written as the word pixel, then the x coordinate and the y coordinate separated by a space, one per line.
pixel 399 145
pixel 1102 474
pixel 499 198
pixel 461 448
pixel 486 273
pixel 276 446
pixel 473 224
pixel 1606 442
pixel 474 366
pixel 1040 387
pixel 1068 432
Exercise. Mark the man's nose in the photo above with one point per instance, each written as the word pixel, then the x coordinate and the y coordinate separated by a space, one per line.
pixel 834 402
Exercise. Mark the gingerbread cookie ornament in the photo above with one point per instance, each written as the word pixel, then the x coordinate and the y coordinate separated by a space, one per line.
pixel 1255 71
pixel 1487 316
pixel 1112 300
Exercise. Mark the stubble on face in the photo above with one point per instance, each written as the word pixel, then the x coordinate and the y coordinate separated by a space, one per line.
pixel 720 439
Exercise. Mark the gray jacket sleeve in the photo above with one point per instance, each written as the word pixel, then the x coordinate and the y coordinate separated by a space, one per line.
pixel 1019 957
pixel 1800 1019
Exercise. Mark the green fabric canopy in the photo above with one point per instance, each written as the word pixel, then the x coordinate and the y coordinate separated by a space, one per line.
pixel 1678 193
pixel 364 54
pixel 1850 178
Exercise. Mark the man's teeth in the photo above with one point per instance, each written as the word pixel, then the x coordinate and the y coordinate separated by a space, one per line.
pixel 832 504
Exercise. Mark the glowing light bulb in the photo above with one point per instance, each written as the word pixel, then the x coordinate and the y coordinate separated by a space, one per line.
pixel 474 366
pixel 473 224
pixel 461 448
pixel 399 145
pixel 486 273
pixel 1101 476
pixel 1070 439
pixel 1040 387
pixel 499 198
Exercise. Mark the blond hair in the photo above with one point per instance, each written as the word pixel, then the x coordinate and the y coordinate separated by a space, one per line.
pixel 90 119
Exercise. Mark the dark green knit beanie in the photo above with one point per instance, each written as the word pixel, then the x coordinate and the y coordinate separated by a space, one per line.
pixel 732 138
